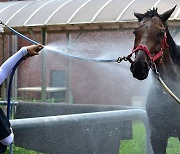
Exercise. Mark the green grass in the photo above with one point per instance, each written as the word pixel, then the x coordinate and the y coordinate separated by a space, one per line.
pixel 137 144
pixel 173 146
pixel 18 150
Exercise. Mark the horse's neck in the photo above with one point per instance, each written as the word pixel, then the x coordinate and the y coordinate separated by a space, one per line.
pixel 167 69
pixel 169 73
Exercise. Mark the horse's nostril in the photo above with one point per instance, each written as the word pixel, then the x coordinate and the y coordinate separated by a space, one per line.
pixel 146 67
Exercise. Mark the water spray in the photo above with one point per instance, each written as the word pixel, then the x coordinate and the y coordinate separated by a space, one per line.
pixel 49 48
pixel 119 59
pixel 77 57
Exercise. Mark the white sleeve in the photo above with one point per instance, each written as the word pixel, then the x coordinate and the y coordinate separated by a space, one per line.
pixel 8 65
pixel 8 140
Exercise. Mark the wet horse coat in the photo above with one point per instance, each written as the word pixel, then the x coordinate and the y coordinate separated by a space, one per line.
pixel 162 110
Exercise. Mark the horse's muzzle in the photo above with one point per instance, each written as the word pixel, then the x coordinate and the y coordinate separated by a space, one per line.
pixel 140 70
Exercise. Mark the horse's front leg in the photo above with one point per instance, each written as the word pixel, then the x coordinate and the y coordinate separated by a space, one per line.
pixel 159 142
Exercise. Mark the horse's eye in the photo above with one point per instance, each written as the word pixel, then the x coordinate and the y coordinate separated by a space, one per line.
pixel 160 34
pixel 135 32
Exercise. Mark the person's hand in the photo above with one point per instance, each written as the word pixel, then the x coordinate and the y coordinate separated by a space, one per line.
pixel 34 49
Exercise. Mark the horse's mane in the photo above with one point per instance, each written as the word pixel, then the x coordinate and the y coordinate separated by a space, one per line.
pixel 151 13
pixel 174 48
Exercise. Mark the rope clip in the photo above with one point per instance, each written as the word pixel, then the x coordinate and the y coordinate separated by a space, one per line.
pixel 120 59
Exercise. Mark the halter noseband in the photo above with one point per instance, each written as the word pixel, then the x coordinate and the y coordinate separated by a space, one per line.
pixel 145 49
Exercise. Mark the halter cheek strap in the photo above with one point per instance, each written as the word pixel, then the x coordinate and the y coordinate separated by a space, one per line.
pixel 145 49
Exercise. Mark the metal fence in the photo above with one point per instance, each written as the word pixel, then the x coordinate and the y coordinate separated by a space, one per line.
pixel 84 118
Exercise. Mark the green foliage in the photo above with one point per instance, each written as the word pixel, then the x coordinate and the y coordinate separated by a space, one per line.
pixel 138 143
pixel 18 150
pixel 173 146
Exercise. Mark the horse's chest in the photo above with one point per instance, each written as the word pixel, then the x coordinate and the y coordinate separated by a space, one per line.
pixel 162 106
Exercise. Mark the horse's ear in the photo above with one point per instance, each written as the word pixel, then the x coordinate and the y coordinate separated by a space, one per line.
pixel 139 16
pixel 167 14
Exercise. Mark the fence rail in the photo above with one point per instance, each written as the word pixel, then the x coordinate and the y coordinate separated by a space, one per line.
pixel 85 118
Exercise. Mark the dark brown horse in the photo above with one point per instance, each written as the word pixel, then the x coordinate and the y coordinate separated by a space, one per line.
pixel 154 45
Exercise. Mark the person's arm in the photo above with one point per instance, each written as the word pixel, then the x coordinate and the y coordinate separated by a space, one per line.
pixel 8 65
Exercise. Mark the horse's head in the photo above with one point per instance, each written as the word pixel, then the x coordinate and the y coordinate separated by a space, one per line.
pixel 150 41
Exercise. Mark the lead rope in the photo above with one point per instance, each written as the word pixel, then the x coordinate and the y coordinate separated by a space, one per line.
pixel 157 75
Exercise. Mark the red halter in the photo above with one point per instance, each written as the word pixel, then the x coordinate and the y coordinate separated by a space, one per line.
pixel 145 49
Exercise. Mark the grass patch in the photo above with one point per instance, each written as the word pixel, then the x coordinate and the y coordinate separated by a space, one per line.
pixel 18 150
pixel 173 146
pixel 138 143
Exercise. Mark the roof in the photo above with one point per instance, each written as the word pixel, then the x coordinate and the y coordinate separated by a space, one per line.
pixel 68 12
